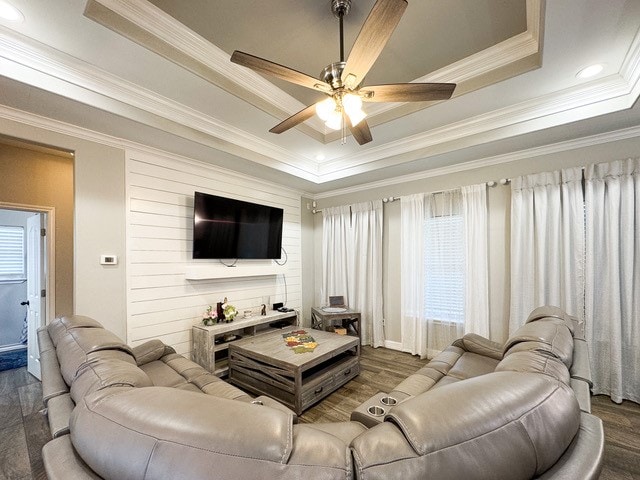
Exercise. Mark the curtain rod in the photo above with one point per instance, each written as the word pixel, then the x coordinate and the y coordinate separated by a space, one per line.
pixel 384 200
pixel 502 181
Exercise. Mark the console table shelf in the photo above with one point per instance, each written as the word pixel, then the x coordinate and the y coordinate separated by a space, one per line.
pixel 214 356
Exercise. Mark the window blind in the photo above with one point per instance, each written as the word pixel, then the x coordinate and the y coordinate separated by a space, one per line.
pixel 444 267
pixel 12 260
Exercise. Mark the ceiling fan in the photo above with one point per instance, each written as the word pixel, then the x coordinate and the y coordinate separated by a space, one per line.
pixel 342 81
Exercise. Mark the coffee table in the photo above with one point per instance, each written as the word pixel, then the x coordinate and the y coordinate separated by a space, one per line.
pixel 265 365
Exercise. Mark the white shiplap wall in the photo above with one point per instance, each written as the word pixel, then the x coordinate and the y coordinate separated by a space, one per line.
pixel 161 302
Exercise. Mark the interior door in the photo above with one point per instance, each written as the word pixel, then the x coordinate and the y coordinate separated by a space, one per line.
pixel 35 289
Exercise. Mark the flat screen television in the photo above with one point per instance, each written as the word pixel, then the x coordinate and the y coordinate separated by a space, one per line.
pixel 226 228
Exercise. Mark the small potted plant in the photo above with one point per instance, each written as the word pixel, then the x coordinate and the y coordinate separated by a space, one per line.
pixel 209 317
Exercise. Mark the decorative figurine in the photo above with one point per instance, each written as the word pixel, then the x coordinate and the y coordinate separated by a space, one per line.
pixel 264 310
pixel 220 312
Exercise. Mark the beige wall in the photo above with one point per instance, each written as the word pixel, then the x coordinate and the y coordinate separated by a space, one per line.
pixel 499 224
pixel 99 222
pixel 309 265
pixel 31 177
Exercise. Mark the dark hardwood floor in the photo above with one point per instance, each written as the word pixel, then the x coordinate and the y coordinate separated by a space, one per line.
pixel 24 428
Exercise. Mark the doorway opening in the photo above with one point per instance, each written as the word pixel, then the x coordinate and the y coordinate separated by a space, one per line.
pixel 26 282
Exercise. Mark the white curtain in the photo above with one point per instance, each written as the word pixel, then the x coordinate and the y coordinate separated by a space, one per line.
pixel 413 327
pixel 547 243
pixel 613 278
pixel 336 224
pixel 476 235
pixel 352 263
pixel 443 255
pixel 365 285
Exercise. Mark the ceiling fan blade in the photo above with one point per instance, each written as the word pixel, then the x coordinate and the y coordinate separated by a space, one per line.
pixel 280 71
pixel 407 92
pixel 293 120
pixel 360 132
pixel 374 35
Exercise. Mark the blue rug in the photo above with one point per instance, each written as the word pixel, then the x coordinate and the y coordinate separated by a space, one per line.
pixel 13 359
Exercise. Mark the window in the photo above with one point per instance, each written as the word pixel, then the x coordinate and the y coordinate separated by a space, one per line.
pixel 12 265
pixel 444 267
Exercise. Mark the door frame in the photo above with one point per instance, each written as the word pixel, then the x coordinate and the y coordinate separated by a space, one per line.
pixel 50 253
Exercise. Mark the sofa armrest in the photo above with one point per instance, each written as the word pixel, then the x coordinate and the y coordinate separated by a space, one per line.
pixel 151 351
pixel 581 368
pixel 583 394
pixel 474 343
pixel 583 459
pixel 61 461
pixel 58 413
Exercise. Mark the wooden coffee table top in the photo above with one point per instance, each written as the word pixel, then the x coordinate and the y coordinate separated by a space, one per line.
pixel 272 347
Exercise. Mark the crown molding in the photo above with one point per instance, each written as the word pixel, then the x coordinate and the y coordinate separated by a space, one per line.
pixel 158 24
pixel 600 138
pixel 544 107
pixel 44 59
pixel 130 148
pixel 484 62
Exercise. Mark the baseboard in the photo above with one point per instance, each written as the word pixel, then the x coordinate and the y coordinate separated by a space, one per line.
pixel 391 345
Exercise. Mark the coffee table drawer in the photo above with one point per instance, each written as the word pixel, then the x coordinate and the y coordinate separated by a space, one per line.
pixel 348 371
pixel 313 392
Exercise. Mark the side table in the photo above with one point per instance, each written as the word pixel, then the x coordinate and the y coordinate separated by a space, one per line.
pixel 324 320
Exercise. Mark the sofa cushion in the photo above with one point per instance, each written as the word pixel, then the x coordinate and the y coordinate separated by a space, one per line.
pixel 159 432
pixel 547 312
pixel 176 371
pixel 472 365
pixel 417 383
pixel 474 343
pixel 550 335
pixel 491 426
pixel 535 362
pixel 152 350
pixel 104 373
pixel 61 325
pixel 76 344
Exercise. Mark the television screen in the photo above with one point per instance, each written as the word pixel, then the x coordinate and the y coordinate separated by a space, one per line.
pixel 227 228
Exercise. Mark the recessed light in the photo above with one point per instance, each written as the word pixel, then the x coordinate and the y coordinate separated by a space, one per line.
pixel 320 157
pixel 10 13
pixel 590 71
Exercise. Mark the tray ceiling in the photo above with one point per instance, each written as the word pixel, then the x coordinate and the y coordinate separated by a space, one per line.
pixel 158 73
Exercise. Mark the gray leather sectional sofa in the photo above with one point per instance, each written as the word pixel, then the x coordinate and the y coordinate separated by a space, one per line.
pixel 477 410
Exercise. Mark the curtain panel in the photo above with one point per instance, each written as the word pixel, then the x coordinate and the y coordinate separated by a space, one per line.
pixel 547 243
pixel 412 276
pixel 613 277
pixel 352 263
pixel 426 248
pixel 476 234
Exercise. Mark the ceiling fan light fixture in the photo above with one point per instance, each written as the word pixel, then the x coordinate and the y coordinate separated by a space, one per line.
pixel 325 108
pixel 356 117
pixel 334 122
pixel 352 105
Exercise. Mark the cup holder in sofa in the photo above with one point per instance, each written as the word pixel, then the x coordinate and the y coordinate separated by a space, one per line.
pixel 376 411
pixel 389 401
